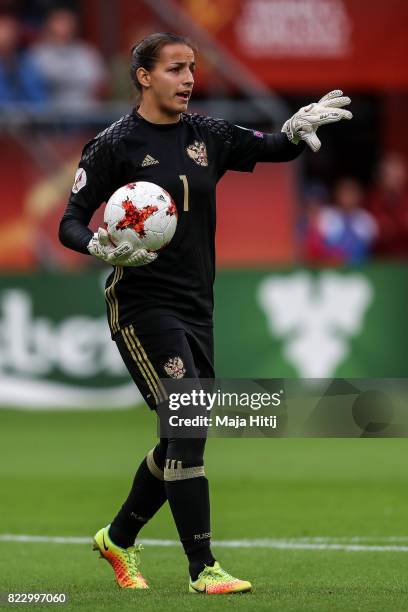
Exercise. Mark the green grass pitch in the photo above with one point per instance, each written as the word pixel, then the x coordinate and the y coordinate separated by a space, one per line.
pixel 66 473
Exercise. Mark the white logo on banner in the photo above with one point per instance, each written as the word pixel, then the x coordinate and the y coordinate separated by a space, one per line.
pixel 294 28
pixel 315 317
pixel 32 350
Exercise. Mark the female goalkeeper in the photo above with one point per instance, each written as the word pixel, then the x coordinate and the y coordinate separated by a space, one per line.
pixel 160 306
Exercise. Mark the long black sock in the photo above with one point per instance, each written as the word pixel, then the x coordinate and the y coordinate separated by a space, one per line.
pixel 146 497
pixel 190 505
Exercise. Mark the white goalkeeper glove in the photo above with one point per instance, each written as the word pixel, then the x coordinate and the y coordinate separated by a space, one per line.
pixel 304 123
pixel 123 255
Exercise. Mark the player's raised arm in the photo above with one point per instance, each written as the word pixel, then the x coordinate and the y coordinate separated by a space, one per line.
pixel 241 148
pixel 245 147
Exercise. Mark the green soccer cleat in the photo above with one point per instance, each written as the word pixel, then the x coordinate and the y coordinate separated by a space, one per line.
pixel 216 581
pixel 124 561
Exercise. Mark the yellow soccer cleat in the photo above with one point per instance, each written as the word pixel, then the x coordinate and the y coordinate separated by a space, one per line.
pixel 216 581
pixel 125 561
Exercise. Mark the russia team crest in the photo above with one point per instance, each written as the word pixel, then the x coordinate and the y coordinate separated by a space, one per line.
pixel 174 367
pixel 197 152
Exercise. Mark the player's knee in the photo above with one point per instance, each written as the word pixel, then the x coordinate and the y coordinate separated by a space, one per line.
pixel 156 458
pixel 185 459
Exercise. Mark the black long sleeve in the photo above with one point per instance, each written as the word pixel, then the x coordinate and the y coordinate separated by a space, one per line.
pixel 73 230
pixel 278 148
pixel 244 148
pixel 95 181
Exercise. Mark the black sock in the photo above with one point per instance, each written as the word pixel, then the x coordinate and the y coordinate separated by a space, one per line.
pixel 190 505
pixel 146 497
pixel 197 561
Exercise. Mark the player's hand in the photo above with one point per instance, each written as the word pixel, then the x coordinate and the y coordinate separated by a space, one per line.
pixel 304 123
pixel 123 255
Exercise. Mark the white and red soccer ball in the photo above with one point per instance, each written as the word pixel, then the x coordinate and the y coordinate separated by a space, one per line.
pixel 142 214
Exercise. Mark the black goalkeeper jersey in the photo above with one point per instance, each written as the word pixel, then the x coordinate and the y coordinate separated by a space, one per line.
pixel 187 159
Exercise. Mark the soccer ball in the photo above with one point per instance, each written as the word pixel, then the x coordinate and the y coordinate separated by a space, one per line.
pixel 142 214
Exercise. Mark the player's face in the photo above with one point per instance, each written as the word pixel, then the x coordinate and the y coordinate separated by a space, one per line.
pixel 172 79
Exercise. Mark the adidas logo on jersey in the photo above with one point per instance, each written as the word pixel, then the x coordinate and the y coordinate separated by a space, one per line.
pixel 149 161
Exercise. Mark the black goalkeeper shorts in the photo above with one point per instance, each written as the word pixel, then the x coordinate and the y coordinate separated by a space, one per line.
pixel 168 349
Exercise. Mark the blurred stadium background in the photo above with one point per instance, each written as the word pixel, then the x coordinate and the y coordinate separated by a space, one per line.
pixel 312 255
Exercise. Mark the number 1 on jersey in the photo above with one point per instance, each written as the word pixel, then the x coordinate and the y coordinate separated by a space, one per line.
pixel 183 178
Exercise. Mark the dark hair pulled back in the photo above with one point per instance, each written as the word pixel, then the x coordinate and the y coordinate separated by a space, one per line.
pixel 146 53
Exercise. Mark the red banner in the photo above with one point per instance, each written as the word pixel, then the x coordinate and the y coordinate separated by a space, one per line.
pixel 289 44
pixel 304 44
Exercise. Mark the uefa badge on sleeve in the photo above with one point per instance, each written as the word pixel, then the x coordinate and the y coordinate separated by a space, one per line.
pixel 80 180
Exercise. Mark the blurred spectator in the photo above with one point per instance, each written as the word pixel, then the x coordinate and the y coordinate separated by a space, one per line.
pixel 315 248
pixel 341 233
pixel 20 80
pixel 74 70
pixel 388 202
